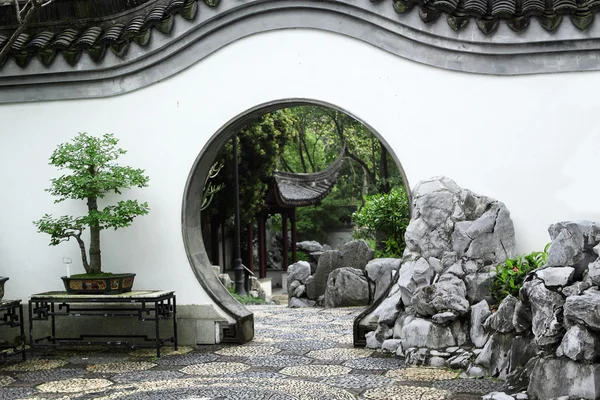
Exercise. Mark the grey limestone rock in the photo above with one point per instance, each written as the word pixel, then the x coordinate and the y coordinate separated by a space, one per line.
pixel 380 271
pixel 578 344
pixel 435 184
pixel 346 287
pixel 372 340
pixel 493 237
pixel 547 311
pixel 502 320
pixel 391 345
pixel 292 286
pixel 461 360
pixel 443 317
pixel 497 396
pixel 388 310
pixel 297 272
pixel 356 254
pixel 479 313
pixel 418 332
pixel 295 302
pixel 495 355
pixel 299 291
pixel 594 272
pixel 436 207
pixel 554 377
pixel 478 286
pixel 576 288
pixel 414 275
pixel 583 309
pixel 308 283
pixel 436 264
pixel 522 317
pixel 572 244
pixel 456 269
pixel 523 349
pixel 448 294
pixel 437 362
pixel 226 281
pixel 309 246
pixel 460 331
pixel 329 261
pixel 475 371
pixel 556 276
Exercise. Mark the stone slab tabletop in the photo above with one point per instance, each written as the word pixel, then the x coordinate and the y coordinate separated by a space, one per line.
pixel 4 304
pixel 133 295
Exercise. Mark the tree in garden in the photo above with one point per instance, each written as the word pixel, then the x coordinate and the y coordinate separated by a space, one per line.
pixel 319 134
pixel 93 173
pixel 259 144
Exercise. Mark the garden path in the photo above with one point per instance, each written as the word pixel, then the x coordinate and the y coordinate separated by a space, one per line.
pixel 297 354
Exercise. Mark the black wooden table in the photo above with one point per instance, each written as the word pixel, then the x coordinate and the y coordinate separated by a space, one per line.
pixel 11 315
pixel 146 305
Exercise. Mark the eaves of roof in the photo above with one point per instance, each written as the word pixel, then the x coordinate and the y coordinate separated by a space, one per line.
pixel 71 36
pixel 517 14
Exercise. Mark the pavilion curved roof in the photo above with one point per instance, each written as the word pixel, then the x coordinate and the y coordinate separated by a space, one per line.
pixel 300 189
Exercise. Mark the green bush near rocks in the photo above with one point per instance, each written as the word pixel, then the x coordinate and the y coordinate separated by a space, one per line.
pixel 510 274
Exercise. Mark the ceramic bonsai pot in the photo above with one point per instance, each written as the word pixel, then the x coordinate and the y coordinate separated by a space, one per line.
pixel 3 280
pixel 109 284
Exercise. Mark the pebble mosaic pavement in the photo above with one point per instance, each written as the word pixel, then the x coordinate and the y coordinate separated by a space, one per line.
pixel 297 354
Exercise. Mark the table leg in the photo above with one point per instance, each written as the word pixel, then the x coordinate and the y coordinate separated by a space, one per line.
pixel 156 321
pixel 22 330
pixel 30 324
pixel 175 322
pixel 53 323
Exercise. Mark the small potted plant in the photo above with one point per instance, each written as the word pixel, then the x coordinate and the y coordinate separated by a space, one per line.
pixel 92 173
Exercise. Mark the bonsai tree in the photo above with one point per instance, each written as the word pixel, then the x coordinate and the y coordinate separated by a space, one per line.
pixel 93 173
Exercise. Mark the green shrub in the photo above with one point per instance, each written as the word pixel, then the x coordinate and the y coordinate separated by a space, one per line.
pixel 510 274
pixel 300 255
pixel 383 219
pixel 246 300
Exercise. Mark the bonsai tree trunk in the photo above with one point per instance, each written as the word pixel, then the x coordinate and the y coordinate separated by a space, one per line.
pixel 95 263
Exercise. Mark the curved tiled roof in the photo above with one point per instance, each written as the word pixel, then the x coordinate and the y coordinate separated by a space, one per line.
pixel 296 190
pixel 71 38
pixel 515 13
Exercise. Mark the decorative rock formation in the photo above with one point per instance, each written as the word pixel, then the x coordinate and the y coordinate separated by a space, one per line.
pixel 346 287
pixel 552 378
pixel 356 254
pixel 380 272
pixel 328 262
pixel 309 246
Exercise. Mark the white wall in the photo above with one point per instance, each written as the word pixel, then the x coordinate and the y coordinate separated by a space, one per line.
pixel 531 142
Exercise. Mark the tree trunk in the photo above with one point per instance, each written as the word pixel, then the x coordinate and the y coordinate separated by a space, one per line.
pixel 95 263
pixel 384 176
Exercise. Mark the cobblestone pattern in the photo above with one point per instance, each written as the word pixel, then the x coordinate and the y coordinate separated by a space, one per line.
pixel 297 355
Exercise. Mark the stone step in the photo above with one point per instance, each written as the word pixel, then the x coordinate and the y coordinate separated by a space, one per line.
pixel 280 299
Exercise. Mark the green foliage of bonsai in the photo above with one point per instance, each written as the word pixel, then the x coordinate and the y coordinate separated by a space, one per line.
pixel 93 174
pixel 510 274
pixel 384 219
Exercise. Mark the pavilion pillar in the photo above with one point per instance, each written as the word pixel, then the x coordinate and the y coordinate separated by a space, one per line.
pixel 294 237
pixel 224 247
pixel 250 246
pixel 214 241
pixel 262 250
pixel 284 228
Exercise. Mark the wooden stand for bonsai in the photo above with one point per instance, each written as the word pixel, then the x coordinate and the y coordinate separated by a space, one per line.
pixel 146 305
pixel 11 315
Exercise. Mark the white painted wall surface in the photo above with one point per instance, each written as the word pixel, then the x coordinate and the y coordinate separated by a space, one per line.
pixel 531 142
